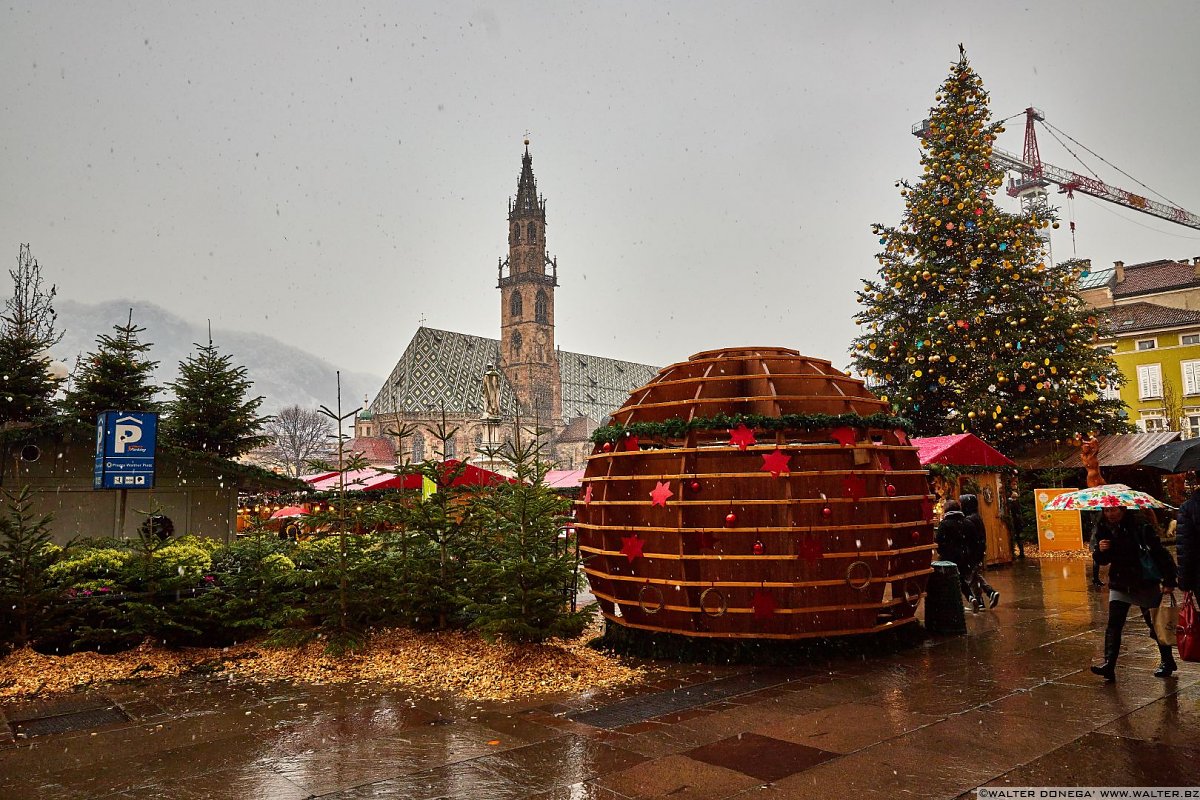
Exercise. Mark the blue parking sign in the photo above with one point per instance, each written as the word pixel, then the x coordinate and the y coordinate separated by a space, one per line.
pixel 126 442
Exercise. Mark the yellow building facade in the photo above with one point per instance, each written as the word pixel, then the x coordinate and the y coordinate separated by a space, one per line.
pixel 1152 330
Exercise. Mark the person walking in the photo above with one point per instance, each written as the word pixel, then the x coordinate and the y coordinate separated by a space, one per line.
pixel 1140 572
pixel 977 551
pixel 1187 538
pixel 952 538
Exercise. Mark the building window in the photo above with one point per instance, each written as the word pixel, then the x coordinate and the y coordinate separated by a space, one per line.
pixel 1107 349
pixel 1147 344
pixel 1150 424
pixel 1109 392
pixel 541 307
pixel 514 304
pixel 516 346
pixel 531 232
pixel 517 232
pixel 1191 426
pixel 418 448
pixel 1190 338
pixel 451 448
pixel 1191 376
pixel 1149 381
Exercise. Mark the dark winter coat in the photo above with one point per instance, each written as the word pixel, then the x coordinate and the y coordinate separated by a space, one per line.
pixel 953 537
pixel 977 541
pixel 1187 543
pixel 1124 555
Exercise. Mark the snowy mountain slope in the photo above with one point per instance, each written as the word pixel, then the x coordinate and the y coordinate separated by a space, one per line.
pixel 284 375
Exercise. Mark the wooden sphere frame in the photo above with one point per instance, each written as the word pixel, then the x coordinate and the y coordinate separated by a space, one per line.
pixel 845 534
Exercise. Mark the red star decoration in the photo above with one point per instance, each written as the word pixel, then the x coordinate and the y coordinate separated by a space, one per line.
pixel 742 436
pixel 854 486
pixel 776 462
pixel 845 435
pixel 901 436
pixel 631 546
pixel 927 509
pixel 811 550
pixel 764 604
pixel 662 490
pixel 587 495
pixel 885 463
pixel 631 443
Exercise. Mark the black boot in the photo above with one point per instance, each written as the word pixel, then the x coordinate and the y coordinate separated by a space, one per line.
pixel 1167 663
pixel 1112 646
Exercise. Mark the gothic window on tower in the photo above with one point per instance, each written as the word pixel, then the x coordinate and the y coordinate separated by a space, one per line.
pixel 418 448
pixel 516 232
pixel 541 308
pixel 451 448
pixel 514 304
pixel 516 346
pixel 531 232
pixel 541 402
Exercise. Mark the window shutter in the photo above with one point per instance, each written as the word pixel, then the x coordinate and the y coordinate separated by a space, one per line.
pixel 1191 372
pixel 1149 381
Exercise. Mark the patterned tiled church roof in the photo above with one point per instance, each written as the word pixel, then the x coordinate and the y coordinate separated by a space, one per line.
pixel 443 369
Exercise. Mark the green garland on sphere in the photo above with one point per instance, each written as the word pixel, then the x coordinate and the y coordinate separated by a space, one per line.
pixel 676 428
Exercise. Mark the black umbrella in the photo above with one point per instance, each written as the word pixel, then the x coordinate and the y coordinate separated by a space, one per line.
pixel 1181 456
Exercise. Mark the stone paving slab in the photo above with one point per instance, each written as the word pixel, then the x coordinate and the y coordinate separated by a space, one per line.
pixel 1011 703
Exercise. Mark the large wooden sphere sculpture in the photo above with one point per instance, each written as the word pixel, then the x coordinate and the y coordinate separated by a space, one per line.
pixel 755 493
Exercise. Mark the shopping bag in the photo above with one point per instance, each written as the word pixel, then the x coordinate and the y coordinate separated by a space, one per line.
pixel 1187 634
pixel 1166 619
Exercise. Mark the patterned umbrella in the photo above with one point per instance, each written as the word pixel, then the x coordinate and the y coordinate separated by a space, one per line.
pixel 1097 498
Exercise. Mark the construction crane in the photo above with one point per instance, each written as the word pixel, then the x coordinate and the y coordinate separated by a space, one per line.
pixel 1035 176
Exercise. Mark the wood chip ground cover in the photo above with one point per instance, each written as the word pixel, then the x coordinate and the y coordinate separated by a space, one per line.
pixel 455 662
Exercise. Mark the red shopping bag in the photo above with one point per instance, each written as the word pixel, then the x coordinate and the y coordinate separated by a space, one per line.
pixel 1187 635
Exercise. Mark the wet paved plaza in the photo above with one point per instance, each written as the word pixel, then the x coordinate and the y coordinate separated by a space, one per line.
pixel 1012 703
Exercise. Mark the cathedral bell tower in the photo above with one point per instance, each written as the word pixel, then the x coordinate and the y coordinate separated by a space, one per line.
pixel 527 279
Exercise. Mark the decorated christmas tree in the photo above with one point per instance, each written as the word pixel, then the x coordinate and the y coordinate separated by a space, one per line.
pixel 116 377
pixel 968 326
pixel 211 412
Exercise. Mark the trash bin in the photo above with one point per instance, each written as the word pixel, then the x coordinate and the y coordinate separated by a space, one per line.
pixel 943 601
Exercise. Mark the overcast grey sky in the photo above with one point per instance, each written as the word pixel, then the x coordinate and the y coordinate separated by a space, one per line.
pixel 332 173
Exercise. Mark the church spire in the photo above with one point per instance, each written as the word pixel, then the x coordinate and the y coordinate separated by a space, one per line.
pixel 528 204
pixel 527 278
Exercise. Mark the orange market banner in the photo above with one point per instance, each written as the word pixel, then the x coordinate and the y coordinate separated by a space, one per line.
pixel 1057 530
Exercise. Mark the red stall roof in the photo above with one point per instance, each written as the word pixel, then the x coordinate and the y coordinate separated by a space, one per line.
pixel 372 479
pixel 963 449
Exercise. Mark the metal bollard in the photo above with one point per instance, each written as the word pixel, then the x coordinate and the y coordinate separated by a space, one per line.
pixel 943 600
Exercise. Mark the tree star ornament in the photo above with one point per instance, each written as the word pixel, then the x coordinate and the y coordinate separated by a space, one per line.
pixel 662 491
pixel 764 604
pixel 845 435
pixel 631 546
pixel 742 437
pixel 811 549
pixel 854 486
pixel 776 462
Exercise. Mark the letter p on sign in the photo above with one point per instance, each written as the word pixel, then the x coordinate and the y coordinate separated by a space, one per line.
pixel 127 434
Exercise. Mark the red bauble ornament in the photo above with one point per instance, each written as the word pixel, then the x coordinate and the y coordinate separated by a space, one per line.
pixel 827 512
pixel 606 447
pixel 891 490
pixel 916 536
pixel 759 547
pixel 694 486
pixel 730 519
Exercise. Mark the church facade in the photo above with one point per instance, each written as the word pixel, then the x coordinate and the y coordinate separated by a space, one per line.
pixel 434 394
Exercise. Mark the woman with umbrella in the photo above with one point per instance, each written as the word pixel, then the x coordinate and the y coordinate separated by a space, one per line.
pixel 1140 572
